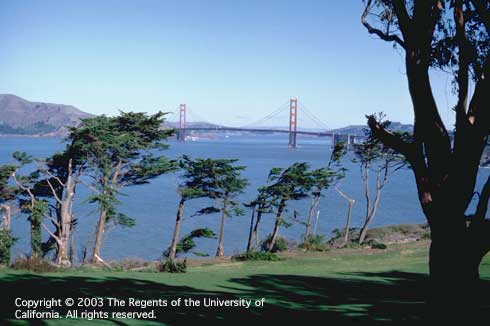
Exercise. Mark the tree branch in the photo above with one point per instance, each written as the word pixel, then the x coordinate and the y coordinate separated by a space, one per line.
pixel 482 11
pixel 413 153
pixel 481 209
pixel 390 139
pixel 462 76
pixel 54 177
pixel 57 239
pixel 372 30
pixel 53 191
pixel 26 189
pixel 402 16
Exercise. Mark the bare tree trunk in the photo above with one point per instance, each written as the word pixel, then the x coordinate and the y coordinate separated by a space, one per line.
pixel 316 221
pixel 66 221
pixel 255 234
pixel 99 236
pixel 72 247
pixel 275 232
pixel 351 203
pixel 250 234
pixel 347 222
pixel 6 216
pixel 370 213
pixel 314 203
pixel 175 238
pixel 220 251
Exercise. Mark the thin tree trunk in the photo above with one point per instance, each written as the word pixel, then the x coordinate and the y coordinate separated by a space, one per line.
pixel 99 237
pixel 314 203
pixel 175 238
pixel 372 212
pixel 6 216
pixel 250 234
pixel 351 203
pixel 255 234
pixel 72 247
pixel 220 251
pixel 347 222
pixel 275 232
pixel 316 221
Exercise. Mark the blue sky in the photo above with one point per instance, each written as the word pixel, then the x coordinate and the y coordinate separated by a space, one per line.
pixel 230 61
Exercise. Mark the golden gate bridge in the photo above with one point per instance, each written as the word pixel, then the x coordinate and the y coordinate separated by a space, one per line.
pixel 295 109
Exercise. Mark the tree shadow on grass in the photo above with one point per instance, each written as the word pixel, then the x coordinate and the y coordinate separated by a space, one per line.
pixel 370 298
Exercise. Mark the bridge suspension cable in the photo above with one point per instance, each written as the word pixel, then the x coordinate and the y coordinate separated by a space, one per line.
pixel 312 117
pixel 196 117
pixel 268 117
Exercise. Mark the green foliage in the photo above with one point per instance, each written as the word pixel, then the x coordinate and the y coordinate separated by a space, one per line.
pixel 187 242
pixel 148 167
pixel 200 254
pixel 173 266
pixel 372 154
pixel 376 245
pixel 120 151
pixel 256 256
pixel 37 213
pixel 7 192
pixel 315 243
pixel 34 264
pixel 22 157
pixel 6 243
pixel 216 179
pixel 281 244
pixel 322 178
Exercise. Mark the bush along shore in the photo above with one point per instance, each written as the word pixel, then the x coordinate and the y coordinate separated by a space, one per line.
pixel 377 239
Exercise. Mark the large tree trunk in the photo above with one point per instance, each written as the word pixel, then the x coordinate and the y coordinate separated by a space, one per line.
pixel 175 238
pixel 220 251
pixel 454 260
pixel 278 223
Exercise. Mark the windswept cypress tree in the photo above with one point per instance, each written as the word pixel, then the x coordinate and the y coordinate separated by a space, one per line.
pixel 121 151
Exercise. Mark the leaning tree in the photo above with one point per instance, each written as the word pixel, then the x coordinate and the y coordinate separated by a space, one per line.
pixel 121 151
pixel 452 36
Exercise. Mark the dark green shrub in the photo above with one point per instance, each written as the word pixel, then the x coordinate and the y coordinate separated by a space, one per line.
pixel 377 245
pixel 257 255
pixel 6 243
pixel 173 266
pixel 280 245
pixel 315 243
pixel 34 264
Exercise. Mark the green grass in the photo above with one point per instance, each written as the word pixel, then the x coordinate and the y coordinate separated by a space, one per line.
pixel 374 287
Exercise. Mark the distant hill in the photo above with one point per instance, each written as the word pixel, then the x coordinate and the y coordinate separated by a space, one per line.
pixel 359 129
pixel 22 117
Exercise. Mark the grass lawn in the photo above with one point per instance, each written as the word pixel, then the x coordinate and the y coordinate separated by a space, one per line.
pixel 369 286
